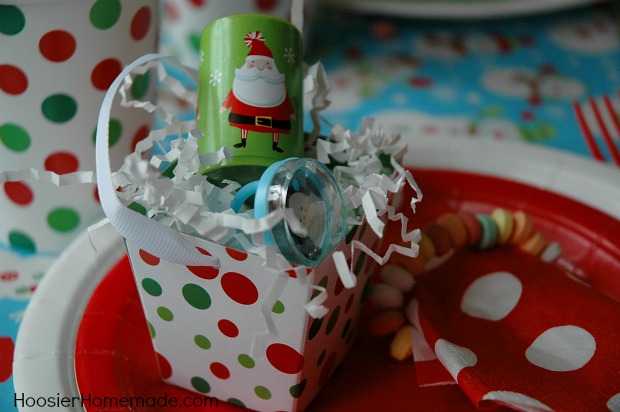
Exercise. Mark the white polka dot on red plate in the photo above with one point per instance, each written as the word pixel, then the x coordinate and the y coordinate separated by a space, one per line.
pixel 454 358
pixel 516 400
pixel 492 297
pixel 562 349
pixel 613 404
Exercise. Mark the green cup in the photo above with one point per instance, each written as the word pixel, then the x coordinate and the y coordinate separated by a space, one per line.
pixel 250 94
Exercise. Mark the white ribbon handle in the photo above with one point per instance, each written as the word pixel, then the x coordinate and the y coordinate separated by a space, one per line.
pixel 147 234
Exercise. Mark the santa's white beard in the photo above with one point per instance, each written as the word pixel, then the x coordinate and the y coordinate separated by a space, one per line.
pixel 259 88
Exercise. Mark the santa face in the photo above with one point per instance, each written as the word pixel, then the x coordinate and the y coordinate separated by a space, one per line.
pixel 259 83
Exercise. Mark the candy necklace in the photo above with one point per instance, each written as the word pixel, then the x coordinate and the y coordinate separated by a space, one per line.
pixel 448 233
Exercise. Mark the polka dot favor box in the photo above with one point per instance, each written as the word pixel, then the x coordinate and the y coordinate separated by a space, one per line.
pixel 210 326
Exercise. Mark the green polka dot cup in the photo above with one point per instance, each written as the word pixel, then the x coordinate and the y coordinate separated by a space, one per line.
pixel 59 58
pixel 250 94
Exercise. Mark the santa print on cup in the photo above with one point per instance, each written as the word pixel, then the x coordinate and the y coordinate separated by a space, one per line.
pixel 258 99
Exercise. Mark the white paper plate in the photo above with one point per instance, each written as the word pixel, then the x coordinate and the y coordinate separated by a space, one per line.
pixel 454 9
pixel 44 354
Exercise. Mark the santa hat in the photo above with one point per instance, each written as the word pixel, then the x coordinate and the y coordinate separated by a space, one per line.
pixel 256 42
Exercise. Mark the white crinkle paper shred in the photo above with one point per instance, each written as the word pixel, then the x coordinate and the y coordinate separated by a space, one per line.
pixel 365 164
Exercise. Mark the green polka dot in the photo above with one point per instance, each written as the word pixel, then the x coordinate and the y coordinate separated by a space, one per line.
pixel 194 41
pixel 105 13
pixel 333 319
pixel 297 390
pixel 246 361
pixel 278 307
pixel 235 401
pixel 63 219
pixel 12 20
pixel 200 384
pixel 14 137
pixel 38 275
pixel 321 358
pixel 165 313
pixel 140 86
pixel 151 287
pixel 22 241
pixel 22 290
pixel 202 342
pixel 262 392
pixel 137 207
pixel 196 296
pixel 151 330
pixel 59 108
pixel 115 132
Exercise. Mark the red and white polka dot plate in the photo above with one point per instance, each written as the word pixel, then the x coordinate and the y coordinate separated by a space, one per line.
pixel 454 174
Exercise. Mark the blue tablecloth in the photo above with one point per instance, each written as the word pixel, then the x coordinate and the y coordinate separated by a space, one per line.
pixel 525 78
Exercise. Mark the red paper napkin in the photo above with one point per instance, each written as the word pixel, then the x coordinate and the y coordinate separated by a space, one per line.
pixel 516 331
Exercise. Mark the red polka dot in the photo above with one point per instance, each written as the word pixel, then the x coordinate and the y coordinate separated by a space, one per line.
pixel 9 276
pixel 228 328
pixel 421 81
pixel 165 369
pixel 18 192
pixel 266 5
pixel 141 23
pixel 291 274
pixel 172 12
pixel 197 3
pixel 239 288
pixel 139 135
pixel 148 258
pixel 57 45
pixel 62 162
pixel 284 358
pixel 220 370
pixel 12 79
pixel 105 72
pixel 96 195
pixel 236 254
pixel 204 272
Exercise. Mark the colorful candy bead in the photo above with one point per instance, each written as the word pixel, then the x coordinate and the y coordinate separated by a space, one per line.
pixel 427 248
pixel 504 221
pixel 385 322
pixel 455 228
pixel 439 237
pixel 522 228
pixel 488 238
pixel 472 225
pixel 534 244
pixel 400 347
pixel 386 296
pixel 397 277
